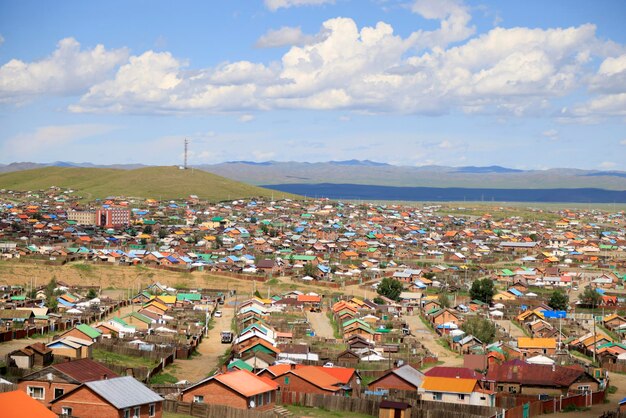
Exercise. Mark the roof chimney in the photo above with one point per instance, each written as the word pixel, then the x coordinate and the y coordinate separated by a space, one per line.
pixel 105 376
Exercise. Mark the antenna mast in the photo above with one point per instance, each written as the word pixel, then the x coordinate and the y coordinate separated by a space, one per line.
pixel 186 144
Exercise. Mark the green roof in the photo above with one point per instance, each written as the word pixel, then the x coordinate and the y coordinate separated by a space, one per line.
pixel 139 316
pixel 88 331
pixel 188 296
pixel 240 364
pixel 304 257
pixel 507 272
pixel 70 222
pixel 149 222
pixel 21 297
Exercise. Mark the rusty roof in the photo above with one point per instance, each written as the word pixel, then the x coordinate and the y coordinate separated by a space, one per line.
pixel 85 370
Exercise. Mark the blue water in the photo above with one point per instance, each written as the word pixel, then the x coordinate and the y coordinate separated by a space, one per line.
pixel 429 194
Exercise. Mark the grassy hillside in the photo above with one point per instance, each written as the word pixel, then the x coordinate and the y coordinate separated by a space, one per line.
pixel 148 182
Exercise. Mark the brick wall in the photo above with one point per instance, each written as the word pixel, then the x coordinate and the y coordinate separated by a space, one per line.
pixel 216 393
pixel 48 387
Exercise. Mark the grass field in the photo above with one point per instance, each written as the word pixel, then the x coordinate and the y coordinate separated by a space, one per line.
pixel 149 182
pixel 301 411
pixel 122 360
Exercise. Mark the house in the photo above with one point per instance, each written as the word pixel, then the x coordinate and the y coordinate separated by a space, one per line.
pixel 238 389
pixel 71 347
pixel 139 321
pixel 308 379
pixel 53 381
pixel 456 390
pixel 83 332
pixel 517 376
pixel 533 346
pixel 17 404
pixel 402 378
pixel 23 358
pixel 117 397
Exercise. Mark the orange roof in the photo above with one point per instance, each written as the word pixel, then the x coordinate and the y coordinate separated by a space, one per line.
pixel 343 374
pixel 318 377
pixel 309 298
pixel 17 404
pixel 525 342
pixel 246 383
pixel 279 369
pixel 448 384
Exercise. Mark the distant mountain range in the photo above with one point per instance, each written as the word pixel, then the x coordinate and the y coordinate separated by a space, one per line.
pixel 366 172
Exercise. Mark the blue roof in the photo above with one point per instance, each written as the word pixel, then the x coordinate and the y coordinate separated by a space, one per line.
pixel 623 401
pixel 600 291
pixel 324 269
pixel 172 259
pixel 238 247
pixel 516 292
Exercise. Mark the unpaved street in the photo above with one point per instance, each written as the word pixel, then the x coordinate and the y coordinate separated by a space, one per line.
pixel 428 338
pixel 211 348
pixel 320 324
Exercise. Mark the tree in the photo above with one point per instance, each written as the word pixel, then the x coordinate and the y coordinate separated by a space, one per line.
pixel 309 270
pixel 429 275
pixel 378 300
pixel 258 294
pixel 558 301
pixel 481 328
pixel 390 288
pixel 92 294
pixel 443 300
pixel 147 229
pixel 482 290
pixel 590 297
pixel 162 233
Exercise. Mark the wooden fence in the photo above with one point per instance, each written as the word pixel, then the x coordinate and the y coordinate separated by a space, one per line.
pixel 550 406
pixel 115 347
pixel 370 405
pixel 202 410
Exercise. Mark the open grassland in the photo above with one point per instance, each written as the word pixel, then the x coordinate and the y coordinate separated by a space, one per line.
pixel 149 182
pixel 121 281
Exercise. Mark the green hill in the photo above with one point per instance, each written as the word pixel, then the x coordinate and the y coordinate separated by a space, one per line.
pixel 148 182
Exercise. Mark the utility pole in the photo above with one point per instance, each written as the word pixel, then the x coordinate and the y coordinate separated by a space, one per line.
pixel 186 146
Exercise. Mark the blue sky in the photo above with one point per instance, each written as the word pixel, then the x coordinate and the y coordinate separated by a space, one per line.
pixel 529 85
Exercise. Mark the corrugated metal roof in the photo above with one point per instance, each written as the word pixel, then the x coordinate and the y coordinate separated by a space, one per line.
pixel 411 375
pixel 124 392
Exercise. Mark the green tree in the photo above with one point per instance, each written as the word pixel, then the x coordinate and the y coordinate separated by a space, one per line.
pixel 162 233
pixel 429 275
pixel 481 328
pixel 390 288
pixel 443 300
pixel 309 270
pixel 482 290
pixel 558 301
pixel 147 229
pixel 92 294
pixel 258 294
pixel 590 297
pixel 378 300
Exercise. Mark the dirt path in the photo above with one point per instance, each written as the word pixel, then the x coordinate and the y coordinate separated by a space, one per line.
pixel 210 349
pixel 320 324
pixel 428 338
pixel 513 330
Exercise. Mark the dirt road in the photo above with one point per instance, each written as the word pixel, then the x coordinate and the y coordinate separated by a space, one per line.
pixel 210 349
pixel 320 324
pixel 513 330
pixel 428 338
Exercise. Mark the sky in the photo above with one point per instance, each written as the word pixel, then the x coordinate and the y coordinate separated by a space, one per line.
pixel 528 84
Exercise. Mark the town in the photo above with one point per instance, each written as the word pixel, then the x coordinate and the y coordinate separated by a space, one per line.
pixel 129 307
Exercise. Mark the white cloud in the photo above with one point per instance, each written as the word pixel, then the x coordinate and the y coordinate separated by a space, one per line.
pixel 285 36
pixel 454 16
pixel 445 144
pixel 1 39
pixel 623 142
pixel 246 118
pixel 274 5
pixel 69 70
pixel 607 165
pixel 47 138
pixel 551 134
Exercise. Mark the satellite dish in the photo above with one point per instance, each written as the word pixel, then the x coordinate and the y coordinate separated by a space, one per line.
pixel 252 404
pixel 49 377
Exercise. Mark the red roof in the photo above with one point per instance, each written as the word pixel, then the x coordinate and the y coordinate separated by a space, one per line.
pixel 246 383
pixel 85 370
pixel 517 371
pixel 309 298
pixel 460 372
pixel 17 404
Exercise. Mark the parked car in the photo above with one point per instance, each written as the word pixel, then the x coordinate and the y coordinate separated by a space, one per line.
pixel 218 314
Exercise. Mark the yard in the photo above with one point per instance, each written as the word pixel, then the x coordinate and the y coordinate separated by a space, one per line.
pixel 121 359
pixel 302 411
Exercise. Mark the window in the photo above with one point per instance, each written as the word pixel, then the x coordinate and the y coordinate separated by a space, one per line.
pixel 286 380
pixel 137 413
pixel 461 396
pixel 259 399
pixel 268 397
pixel 58 392
pixel 151 410
pixel 584 388
pixel 66 410
pixel 198 398
pixel 36 392
pixel 500 388
pixel 126 413
pixel 437 396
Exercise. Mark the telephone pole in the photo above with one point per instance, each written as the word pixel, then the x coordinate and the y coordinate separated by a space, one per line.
pixel 186 146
